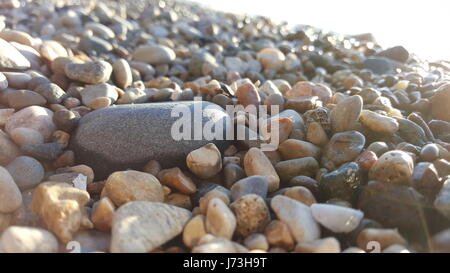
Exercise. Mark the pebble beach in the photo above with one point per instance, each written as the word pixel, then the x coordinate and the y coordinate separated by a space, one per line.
pixel 89 162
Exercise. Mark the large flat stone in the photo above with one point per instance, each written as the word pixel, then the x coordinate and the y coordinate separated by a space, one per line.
pixel 128 136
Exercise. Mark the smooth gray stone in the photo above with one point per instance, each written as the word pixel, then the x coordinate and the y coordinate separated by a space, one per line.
pixel 379 65
pixel 128 136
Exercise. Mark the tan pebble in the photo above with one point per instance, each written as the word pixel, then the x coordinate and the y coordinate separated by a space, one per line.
pixel 205 162
pixel 304 88
pixel 51 50
pixel 316 134
pixel 122 73
pixel 257 163
pixel 152 167
pixel 127 186
pixel 62 137
pixel 175 178
pixel 62 208
pixel 99 103
pixel 301 194
pixel 179 200
pixel 248 95
pixel 194 230
pixel 278 235
pixel 271 58
pixel 220 221
pixel 294 148
pixel 102 214
pixel 378 123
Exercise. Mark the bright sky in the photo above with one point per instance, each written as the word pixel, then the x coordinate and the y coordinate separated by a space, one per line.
pixel 421 26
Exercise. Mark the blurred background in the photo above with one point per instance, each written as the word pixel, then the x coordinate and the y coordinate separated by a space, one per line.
pixel 422 27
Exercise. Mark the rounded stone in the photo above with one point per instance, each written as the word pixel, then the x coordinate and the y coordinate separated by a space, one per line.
pixel 297 217
pixel 392 167
pixel 99 139
pixel 26 171
pixel 271 58
pixel 51 92
pixel 220 221
pixel 34 117
pixel 346 114
pixel 122 73
pixel 257 163
pixel 127 186
pixel 344 147
pixel 252 214
pixel 154 54
pixel 22 136
pixel 10 196
pixel 17 239
pixel 205 162
pixel 304 88
pixel 379 123
pixel 90 72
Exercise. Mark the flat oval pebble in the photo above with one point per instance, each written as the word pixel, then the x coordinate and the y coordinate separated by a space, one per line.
pixel 127 186
pixel 90 72
pixel 378 123
pixel 26 171
pixel 100 134
pixel 154 55
pixel 143 226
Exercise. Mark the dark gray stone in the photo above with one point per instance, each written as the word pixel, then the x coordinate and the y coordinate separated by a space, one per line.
pixel 379 65
pixel 128 136
pixel 342 183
